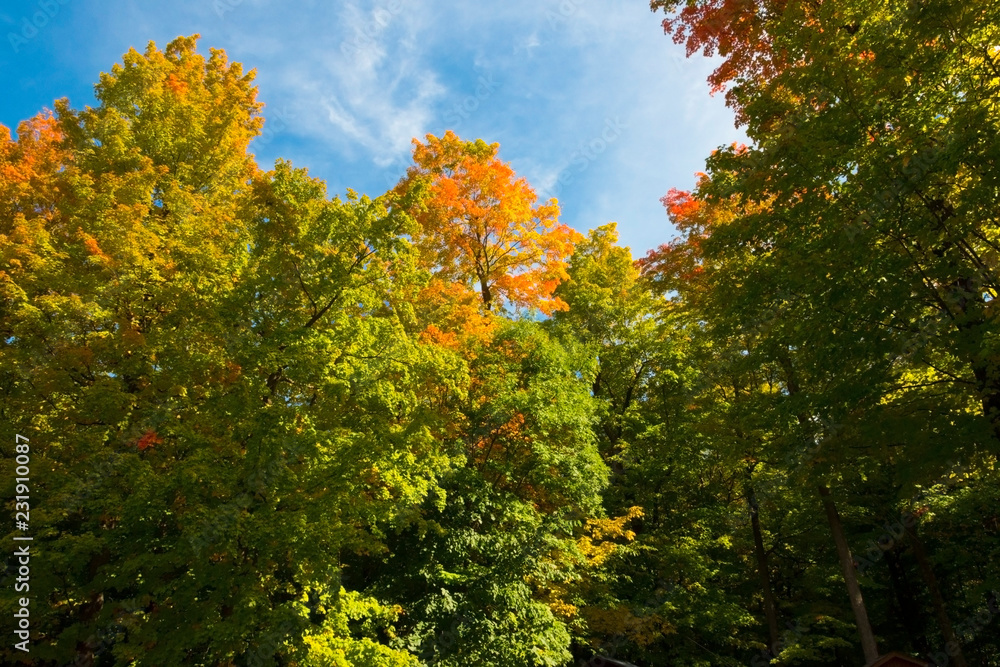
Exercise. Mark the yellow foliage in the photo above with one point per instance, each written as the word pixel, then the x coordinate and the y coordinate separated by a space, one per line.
pixel 597 546
pixel 601 541
pixel 643 630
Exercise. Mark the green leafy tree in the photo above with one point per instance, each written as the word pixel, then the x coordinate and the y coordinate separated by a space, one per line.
pixel 485 569
pixel 220 397
pixel 861 215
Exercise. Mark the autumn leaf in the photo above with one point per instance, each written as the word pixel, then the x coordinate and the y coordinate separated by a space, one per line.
pixel 148 440
pixel 481 225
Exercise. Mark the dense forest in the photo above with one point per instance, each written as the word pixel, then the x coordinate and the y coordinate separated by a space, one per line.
pixel 270 426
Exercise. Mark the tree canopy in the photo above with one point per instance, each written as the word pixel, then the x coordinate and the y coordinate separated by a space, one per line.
pixel 269 425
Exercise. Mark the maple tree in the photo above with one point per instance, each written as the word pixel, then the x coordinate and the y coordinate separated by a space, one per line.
pixel 204 356
pixel 741 31
pixel 851 240
pixel 863 161
pixel 481 226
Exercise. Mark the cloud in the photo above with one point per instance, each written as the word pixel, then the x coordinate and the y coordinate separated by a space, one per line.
pixel 347 86
pixel 527 44
pixel 367 89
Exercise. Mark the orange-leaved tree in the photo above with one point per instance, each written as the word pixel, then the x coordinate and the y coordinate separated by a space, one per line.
pixel 481 226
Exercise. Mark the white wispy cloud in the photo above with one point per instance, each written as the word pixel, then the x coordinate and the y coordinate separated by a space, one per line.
pixel 348 85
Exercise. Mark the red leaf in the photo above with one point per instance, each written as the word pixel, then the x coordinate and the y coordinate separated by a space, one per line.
pixel 148 439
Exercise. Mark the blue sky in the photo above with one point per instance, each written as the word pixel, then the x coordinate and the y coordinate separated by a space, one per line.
pixel 587 98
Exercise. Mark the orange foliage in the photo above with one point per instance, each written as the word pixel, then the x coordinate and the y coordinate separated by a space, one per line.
pixel 92 246
pixel 176 85
pixel 453 311
pixel 36 154
pixel 481 227
pixel 681 263
pixel 736 30
pixel 28 167
pixel 148 439
pixel 679 259
pixel 434 336
pixel 680 205
pixel 500 441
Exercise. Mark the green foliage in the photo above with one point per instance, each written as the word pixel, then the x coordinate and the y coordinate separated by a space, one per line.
pixel 847 258
pixel 474 568
pixel 213 375
pixel 271 426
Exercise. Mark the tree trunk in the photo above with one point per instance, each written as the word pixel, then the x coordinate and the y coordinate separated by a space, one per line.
pixel 908 607
pixel 965 304
pixel 936 598
pixel 484 288
pixel 770 610
pixel 868 644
